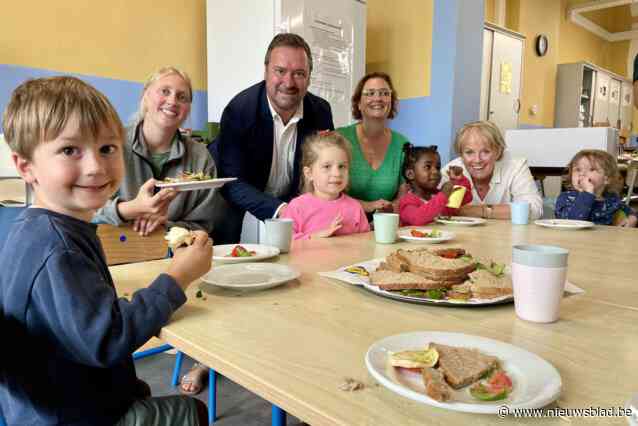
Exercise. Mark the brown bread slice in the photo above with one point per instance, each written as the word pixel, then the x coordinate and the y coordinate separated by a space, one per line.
pixel 396 263
pixel 485 285
pixel 433 266
pixel 390 280
pixel 463 366
pixel 435 385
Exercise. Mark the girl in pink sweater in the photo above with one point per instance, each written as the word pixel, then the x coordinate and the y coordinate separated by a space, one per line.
pixel 324 210
pixel 424 201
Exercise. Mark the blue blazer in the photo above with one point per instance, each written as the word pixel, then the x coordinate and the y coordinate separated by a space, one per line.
pixel 244 147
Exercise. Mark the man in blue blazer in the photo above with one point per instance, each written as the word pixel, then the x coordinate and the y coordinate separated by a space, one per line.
pixel 262 130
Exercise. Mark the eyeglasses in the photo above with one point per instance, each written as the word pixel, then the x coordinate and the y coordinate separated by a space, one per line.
pixel 384 93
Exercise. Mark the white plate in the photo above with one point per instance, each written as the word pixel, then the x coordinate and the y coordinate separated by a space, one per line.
pixel 221 253
pixel 196 184
pixel 461 220
pixel 441 302
pixel 564 223
pixel 536 382
pixel 250 276
pixel 405 234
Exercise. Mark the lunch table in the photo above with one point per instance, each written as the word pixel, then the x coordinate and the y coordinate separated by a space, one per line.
pixel 295 345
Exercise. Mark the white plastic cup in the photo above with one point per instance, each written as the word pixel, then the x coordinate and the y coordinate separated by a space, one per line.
pixel 386 226
pixel 279 233
pixel 538 278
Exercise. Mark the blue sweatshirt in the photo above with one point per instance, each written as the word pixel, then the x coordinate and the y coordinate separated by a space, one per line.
pixel 585 206
pixel 67 338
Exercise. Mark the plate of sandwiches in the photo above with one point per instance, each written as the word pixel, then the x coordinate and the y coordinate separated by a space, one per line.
pixel 424 235
pixel 449 276
pixel 460 220
pixel 193 181
pixel 462 372
pixel 238 253
pixel 564 223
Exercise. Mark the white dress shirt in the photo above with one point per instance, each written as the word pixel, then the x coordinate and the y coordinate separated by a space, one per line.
pixel 511 181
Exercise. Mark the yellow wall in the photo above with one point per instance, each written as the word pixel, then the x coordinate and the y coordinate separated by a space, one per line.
pixel 399 42
pixel 119 39
pixel 490 11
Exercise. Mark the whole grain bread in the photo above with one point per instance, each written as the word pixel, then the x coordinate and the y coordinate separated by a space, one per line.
pixel 463 366
pixel 432 266
pixel 390 280
pixel 486 285
pixel 435 385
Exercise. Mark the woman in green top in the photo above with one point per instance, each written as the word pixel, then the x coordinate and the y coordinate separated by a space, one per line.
pixel 377 151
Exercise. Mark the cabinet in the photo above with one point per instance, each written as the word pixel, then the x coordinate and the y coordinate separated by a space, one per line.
pixel 587 95
pixel 501 76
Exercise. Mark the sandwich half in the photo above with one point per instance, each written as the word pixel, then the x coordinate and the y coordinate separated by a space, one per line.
pixel 463 366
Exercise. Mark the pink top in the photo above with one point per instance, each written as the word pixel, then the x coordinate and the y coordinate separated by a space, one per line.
pixel 312 214
pixel 414 211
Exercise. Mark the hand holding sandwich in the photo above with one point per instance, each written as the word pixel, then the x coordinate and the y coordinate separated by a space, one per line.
pixel 191 261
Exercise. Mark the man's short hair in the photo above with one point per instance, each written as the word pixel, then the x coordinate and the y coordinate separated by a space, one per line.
pixel 39 110
pixel 289 40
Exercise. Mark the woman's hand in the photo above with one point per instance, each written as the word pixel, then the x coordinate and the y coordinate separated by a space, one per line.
pixel 146 203
pixel 330 230
pixel 378 205
pixel 146 224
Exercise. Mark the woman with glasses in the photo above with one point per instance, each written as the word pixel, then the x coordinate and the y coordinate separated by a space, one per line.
pixel 377 151
pixel 155 149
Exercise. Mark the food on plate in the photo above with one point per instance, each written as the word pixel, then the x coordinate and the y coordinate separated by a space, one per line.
pixel 455 219
pixel 178 236
pixel 452 369
pixel 240 251
pixel 441 274
pixel 419 234
pixel 358 270
pixel 188 177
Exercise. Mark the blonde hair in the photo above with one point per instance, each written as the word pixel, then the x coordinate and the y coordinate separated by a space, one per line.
pixel 310 152
pixel 39 110
pixel 162 72
pixel 488 130
pixel 605 161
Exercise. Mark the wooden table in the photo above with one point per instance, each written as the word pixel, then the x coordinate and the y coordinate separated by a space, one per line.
pixel 294 345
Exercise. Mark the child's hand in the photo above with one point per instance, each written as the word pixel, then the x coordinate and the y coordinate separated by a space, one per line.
pixel 447 188
pixel 584 184
pixel 191 262
pixel 629 222
pixel 145 203
pixel 455 172
pixel 330 230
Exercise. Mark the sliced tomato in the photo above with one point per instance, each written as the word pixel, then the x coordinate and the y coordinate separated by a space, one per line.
pixel 499 381
pixel 417 234
pixel 449 254
pixel 412 370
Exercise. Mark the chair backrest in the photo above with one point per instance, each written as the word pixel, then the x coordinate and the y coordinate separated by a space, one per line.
pixel 123 245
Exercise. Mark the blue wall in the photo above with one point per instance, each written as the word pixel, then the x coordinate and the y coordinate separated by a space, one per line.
pixel 123 94
pixel 455 86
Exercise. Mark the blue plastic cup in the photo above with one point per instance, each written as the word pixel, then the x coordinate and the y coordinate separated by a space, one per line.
pixel 520 212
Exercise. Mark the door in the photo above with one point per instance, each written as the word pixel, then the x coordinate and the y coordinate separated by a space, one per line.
pixel 486 71
pixel 505 82
pixel 614 103
pixel 601 100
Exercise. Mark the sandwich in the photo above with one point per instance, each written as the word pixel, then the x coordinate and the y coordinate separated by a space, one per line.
pixel 414 359
pixel 484 284
pixel 463 366
pixel 391 280
pixel 178 236
pixel 435 385
pixel 442 265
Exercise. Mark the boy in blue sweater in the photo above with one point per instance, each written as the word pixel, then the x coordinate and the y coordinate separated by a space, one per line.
pixel 69 357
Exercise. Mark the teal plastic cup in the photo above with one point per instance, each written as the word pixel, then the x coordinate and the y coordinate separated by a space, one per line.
pixel 385 227
pixel 520 212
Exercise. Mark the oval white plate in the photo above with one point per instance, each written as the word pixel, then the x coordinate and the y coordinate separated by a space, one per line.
pixel 632 405
pixel 405 234
pixel 196 184
pixel 536 382
pixel 222 253
pixel 564 223
pixel 250 276
pixel 461 220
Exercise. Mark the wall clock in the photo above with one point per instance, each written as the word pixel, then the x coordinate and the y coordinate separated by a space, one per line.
pixel 542 44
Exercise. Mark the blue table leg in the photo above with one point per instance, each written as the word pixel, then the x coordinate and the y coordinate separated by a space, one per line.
pixel 153 351
pixel 212 395
pixel 178 368
pixel 278 416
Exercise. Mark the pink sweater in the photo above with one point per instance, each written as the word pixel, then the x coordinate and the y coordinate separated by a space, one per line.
pixel 312 214
pixel 415 211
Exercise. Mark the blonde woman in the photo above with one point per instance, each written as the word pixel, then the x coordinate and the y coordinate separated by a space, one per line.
pixel 155 149
pixel 497 178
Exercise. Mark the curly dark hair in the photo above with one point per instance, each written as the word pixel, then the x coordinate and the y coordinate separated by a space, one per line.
pixel 413 154
pixel 356 96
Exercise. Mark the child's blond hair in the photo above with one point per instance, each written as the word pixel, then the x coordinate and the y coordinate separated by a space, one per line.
pixel 488 130
pixel 39 110
pixel 605 161
pixel 310 152
pixel 162 72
